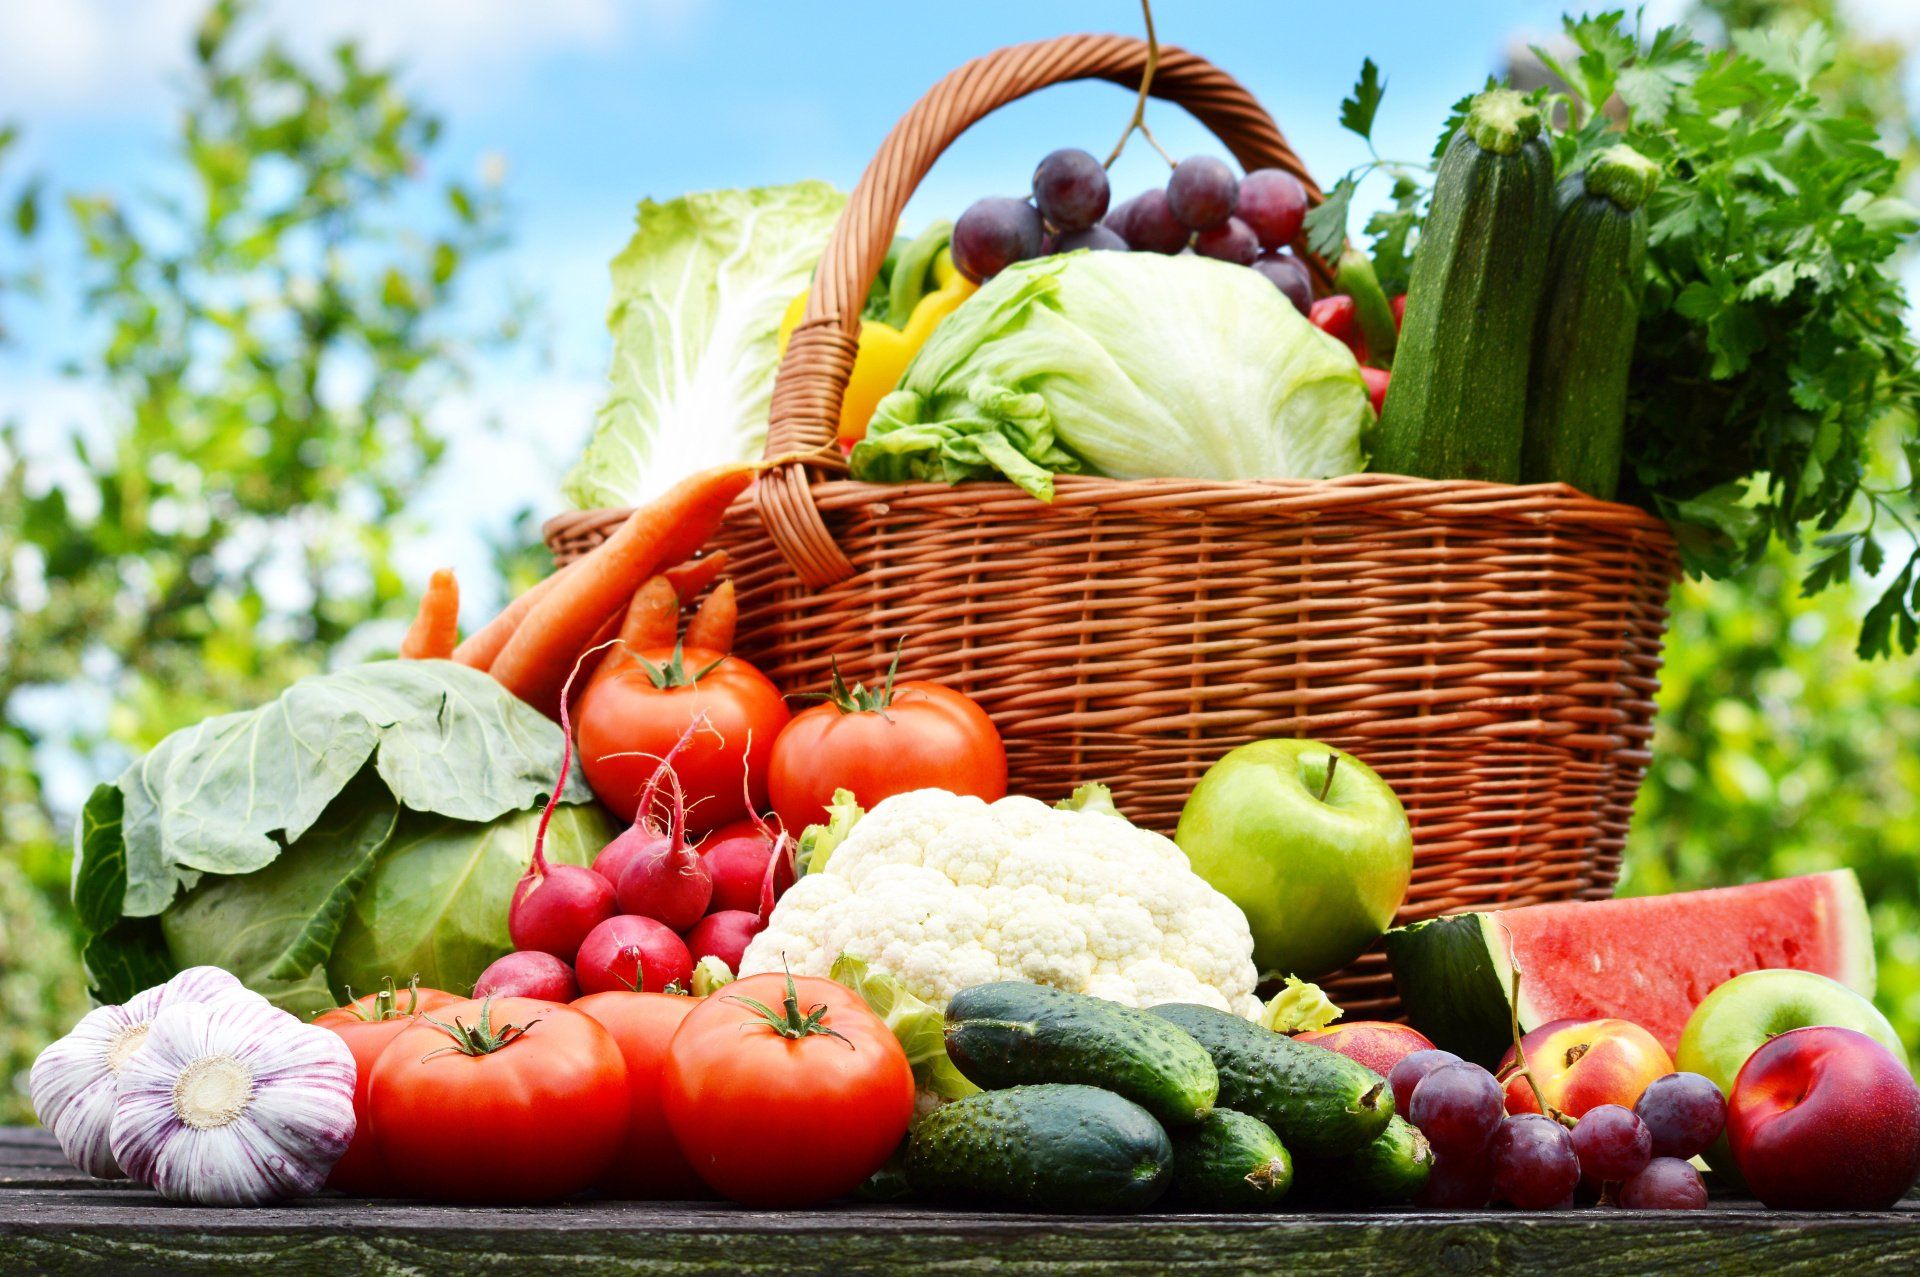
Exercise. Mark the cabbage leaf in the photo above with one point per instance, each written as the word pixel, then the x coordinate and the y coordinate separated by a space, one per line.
pixel 698 294
pixel 270 842
pixel 1129 365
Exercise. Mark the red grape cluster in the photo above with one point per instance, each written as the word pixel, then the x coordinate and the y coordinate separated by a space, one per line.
pixel 1203 209
pixel 1534 1162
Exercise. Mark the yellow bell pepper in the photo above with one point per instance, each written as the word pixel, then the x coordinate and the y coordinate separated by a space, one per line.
pixel 884 350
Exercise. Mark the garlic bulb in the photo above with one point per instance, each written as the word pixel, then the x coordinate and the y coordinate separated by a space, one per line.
pixel 72 1080
pixel 232 1103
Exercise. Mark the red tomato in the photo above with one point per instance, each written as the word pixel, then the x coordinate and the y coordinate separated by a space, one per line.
pixel 627 721
pixel 649 1163
pixel 528 1102
pixel 914 736
pixel 366 1025
pixel 790 1103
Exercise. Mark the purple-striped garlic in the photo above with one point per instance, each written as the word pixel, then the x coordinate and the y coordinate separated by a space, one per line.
pixel 234 1103
pixel 72 1083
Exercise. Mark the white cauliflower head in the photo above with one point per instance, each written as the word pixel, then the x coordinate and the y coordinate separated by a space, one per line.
pixel 945 891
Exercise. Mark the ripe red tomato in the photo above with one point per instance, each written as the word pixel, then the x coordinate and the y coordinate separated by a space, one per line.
pixel 627 721
pixel 877 744
pixel 649 1163
pixel 524 1101
pixel 366 1025
pixel 790 1102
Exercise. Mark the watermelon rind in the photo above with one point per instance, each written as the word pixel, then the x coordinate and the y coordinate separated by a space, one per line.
pixel 1860 973
pixel 1454 973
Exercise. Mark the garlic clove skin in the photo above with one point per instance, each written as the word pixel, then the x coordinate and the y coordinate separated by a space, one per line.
pixel 234 1103
pixel 72 1082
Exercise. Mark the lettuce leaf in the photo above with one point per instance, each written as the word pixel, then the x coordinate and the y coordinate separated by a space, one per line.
pixel 698 294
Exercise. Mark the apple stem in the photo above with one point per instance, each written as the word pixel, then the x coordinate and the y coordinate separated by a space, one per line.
pixel 1326 785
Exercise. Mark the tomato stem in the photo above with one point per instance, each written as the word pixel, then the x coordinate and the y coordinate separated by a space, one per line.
pixel 672 673
pixel 481 1039
pixel 857 699
pixel 789 1022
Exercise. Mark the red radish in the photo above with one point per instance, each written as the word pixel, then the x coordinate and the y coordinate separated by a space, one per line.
pixel 629 952
pixel 667 881
pixel 736 864
pixel 555 906
pixel 725 935
pixel 527 974
pixel 644 836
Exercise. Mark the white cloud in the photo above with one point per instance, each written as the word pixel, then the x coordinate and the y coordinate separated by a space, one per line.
pixel 94 58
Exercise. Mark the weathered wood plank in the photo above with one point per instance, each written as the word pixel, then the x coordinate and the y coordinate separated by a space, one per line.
pixel 57 1223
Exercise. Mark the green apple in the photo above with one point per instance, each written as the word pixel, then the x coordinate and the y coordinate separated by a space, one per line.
pixel 1742 1015
pixel 1317 862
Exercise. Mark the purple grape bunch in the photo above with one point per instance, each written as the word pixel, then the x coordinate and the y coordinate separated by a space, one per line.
pixel 1635 1158
pixel 1203 209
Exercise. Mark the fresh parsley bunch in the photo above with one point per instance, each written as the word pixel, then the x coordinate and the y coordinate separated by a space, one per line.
pixel 1773 343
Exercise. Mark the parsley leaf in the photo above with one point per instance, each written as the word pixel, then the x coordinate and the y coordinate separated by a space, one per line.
pixel 1357 111
pixel 1327 224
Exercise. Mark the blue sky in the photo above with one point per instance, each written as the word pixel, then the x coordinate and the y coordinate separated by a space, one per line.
pixel 594 104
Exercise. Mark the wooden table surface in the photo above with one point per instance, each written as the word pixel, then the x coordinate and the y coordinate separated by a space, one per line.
pixel 55 1220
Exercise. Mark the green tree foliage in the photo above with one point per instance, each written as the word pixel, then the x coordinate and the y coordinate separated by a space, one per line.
pixel 1776 751
pixel 269 331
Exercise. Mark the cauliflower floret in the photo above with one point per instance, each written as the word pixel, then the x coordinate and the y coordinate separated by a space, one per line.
pixel 945 891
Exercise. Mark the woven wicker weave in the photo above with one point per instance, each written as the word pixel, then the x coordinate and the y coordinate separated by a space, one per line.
pixel 1491 650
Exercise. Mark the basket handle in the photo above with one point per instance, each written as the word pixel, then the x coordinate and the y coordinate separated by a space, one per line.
pixel 813 376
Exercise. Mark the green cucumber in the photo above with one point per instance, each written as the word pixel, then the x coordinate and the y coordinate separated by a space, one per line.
pixel 1056 1146
pixel 1230 1162
pixel 1392 1169
pixel 1011 1033
pixel 1583 347
pixel 1456 408
pixel 1320 1103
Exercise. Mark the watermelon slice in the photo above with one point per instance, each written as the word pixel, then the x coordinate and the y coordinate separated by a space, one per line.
pixel 1648 959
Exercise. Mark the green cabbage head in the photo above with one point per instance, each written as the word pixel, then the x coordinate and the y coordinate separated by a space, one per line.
pixel 1128 365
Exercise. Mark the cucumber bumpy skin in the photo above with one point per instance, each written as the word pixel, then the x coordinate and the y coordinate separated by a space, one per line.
pixel 1056 1146
pixel 1320 1103
pixel 1013 1033
pixel 1230 1162
pixel 1392 1169
pixel 1456 408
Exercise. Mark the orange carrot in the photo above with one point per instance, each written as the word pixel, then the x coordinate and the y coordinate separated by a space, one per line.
pixel 695 575
pixel 436 626
pixel 482 647
pixel 537 659
pixel 712 626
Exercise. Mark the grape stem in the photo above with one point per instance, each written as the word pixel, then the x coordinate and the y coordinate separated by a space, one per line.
pixel 1139 120
pixel 1521 1066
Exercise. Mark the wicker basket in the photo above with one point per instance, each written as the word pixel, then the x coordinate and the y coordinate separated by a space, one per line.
pixel 1491 650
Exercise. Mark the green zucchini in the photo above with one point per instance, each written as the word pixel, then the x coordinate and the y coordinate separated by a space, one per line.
pixel 1056 1146
pixel 1230 1162
pixel 1583 348
pixel 1457 404
pixel 1320 1103
pixel 1391 1169
pixel 1011 1033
